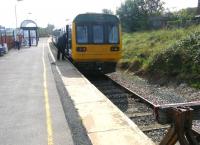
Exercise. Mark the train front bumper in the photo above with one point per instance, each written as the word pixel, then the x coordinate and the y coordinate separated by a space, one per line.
pixel 103 67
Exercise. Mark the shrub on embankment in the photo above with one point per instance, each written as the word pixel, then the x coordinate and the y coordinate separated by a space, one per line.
pixel 165 53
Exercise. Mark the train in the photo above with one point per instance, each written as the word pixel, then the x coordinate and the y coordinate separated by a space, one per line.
pixel 93 42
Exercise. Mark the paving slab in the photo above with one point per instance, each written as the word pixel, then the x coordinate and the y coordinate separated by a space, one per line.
pixel 119 137
pixel 80 94
pixel 105 124
pixel 22 96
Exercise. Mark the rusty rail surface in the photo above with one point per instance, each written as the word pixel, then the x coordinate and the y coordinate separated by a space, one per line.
pixel 164 112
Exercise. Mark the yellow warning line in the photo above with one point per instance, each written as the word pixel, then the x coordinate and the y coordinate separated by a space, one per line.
pixel 47 106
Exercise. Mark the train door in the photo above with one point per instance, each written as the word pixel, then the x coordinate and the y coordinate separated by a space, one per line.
pixel 69 42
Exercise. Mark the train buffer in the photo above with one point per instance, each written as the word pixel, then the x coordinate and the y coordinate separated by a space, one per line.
pixel 180 116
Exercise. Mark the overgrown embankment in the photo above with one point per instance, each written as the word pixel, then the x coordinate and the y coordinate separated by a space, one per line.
pixel 171 53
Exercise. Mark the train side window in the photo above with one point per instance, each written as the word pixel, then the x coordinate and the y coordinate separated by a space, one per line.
pixel 113 34
pixel 98 34
pixel 82 34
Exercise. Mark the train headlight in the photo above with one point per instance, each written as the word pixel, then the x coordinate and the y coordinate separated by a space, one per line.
pixel 114 48
pixel 81 49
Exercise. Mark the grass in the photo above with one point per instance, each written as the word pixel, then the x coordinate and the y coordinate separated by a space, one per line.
pixel 140 49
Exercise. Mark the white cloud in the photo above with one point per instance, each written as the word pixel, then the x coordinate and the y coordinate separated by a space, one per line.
pixel 57 11
pixel 179 4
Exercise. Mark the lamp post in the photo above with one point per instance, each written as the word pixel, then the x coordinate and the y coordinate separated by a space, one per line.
pixel 16 12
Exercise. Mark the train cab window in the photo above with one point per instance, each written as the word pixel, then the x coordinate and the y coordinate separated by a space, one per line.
pixel 82 34
pixel 113 34
pixel 98 34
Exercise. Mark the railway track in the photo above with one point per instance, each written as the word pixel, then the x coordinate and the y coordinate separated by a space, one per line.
pixel 176 118
pixel 138 109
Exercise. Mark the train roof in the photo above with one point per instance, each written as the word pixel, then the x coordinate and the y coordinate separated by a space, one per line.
pixel 95 17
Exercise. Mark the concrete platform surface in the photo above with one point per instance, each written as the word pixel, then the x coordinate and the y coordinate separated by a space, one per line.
pixel 30 109
pixel 104 122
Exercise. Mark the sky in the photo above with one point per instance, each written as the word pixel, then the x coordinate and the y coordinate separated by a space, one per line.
pixel 61 12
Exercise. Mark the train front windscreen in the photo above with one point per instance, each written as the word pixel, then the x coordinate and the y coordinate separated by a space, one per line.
pixel 97 34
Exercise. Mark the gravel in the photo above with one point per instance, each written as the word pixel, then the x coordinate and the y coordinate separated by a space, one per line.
pixel 155 93
pixel 196 123
pixel 144 120
pixel 156 134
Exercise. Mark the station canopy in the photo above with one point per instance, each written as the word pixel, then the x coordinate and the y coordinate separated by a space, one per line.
pixel 30 32
pixel 28 23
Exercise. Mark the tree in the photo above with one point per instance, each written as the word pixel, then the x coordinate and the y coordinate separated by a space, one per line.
pixel 50 28
pixel 198 7
pixel 186 14
pixel 134 13
pixel 45 32
pixel 154 7
pixel 107 11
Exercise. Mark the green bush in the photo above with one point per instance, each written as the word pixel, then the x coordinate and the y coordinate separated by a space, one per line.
pixel 135 65
pixel 174 52
pixel 181 60
pixel 123 64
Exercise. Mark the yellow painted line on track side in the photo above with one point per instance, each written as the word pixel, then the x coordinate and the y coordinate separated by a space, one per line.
pixel 47 105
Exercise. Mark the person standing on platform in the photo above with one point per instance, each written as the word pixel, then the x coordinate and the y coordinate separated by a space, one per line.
pixel 17 43
pixel 59 48
pixel 61 45
pixel 64 41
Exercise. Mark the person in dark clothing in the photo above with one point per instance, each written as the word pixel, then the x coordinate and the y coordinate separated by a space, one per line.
pixel 17 43
pixel 61 45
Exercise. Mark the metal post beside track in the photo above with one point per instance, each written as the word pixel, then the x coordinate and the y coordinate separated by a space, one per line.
pixel 180 118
